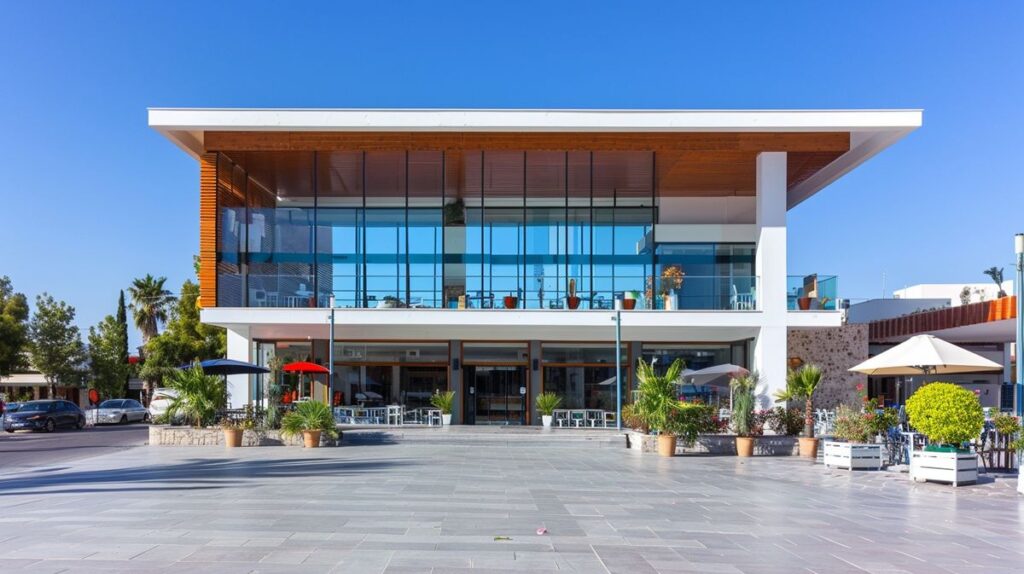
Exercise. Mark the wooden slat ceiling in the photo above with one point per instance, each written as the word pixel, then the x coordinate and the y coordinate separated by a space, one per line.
pixel 688 164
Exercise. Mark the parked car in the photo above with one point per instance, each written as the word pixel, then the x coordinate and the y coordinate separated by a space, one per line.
pixel 47 415
pixel 121 411
pixel 161 401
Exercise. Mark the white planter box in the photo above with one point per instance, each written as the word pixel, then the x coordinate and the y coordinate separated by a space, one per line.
pixel 852 456
pixel 953 467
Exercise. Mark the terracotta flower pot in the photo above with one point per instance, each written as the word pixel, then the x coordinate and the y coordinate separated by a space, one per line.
pixel 629 304
pixel 808 447
pixel 232 438
pixel 572 302
pixel 744 446
pixel 666 445
pixel 511 301
pixel 804 303
pixel 311 438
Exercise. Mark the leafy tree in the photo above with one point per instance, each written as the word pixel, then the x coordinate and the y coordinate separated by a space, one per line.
pixel 122 324
pixel 996 273
pixel 150 304
pixel 13 328
pixel 107 366
pixel 185 339
pixel 56 343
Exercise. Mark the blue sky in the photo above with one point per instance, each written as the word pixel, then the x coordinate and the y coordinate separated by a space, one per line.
pixel 91 197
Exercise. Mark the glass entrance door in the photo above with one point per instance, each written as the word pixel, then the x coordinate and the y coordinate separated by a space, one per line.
pixel 495 395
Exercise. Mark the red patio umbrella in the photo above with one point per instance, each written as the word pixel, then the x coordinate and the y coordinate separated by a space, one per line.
pixel 305 368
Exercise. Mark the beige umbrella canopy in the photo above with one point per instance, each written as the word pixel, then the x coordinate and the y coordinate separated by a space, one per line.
pixel 925 355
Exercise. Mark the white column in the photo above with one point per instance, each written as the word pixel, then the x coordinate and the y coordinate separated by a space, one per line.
pixel 239 349
pixel 770 344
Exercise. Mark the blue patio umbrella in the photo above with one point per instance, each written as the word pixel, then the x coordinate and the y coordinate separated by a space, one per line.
pixel 228 367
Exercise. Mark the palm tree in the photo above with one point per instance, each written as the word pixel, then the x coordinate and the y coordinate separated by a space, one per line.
pixel 150 304
pixel 996 273
pixel 800 385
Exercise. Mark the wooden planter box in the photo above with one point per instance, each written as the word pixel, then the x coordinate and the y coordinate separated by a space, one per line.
pixel 852 456
pixel 953 467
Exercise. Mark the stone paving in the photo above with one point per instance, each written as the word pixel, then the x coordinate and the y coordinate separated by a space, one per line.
pixel 405 508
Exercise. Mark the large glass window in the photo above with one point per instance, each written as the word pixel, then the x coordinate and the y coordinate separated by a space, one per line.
pixel 374 374
pixel 706 275
pixel 583 375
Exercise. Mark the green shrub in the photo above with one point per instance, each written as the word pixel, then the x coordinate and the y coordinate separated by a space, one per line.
pixel 852 425
pixel 744 399
pixel 547 403
pixel 309 416
pixel 443 401
pixel 1006 425
pixel 788 422
pixel 199 396
pixel 630 419
pixel 946 413
pixel 688 420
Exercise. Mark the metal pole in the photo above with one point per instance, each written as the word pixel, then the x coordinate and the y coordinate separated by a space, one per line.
pixel 330 356
pixel 618 370
pixel 1018 291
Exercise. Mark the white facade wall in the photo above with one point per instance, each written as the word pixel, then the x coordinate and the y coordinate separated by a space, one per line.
pixel 770 343
pixel 951 291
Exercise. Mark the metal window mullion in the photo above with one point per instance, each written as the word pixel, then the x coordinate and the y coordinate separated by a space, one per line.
pixel 366 300
pixel 408 280
pixel 316 227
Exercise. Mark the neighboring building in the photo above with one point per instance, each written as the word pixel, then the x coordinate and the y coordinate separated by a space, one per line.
pixel 33 385
pixel 425 224
pixel 955 293
pixel 985 327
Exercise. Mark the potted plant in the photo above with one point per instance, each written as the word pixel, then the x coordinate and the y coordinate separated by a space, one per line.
pixel 800 385
pixel 629 300
pixel 1017 446
pixel 311 419
pixel 232 432
pixel 949 415
pixel 744 423
pixel 656 403
pixel 546 404
pixel 855 449
pixel 455 212
pixel 572 301
pixel 443 402
pixel 803 302
pixel 511 301
pixel 671 280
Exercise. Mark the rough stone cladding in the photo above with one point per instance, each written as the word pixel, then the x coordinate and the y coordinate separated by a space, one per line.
pixel 835 350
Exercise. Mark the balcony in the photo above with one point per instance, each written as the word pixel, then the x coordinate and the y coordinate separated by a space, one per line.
pixel 812 292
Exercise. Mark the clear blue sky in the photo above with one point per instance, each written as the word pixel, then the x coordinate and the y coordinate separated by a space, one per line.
pixel 91 197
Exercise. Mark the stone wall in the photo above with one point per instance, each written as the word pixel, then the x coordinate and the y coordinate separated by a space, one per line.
pixel 720 444
pixel 834 350
pixel 164 435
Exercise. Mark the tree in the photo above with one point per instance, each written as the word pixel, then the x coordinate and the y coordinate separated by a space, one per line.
pixel 56 343
pixel 13 328
pixel 122 324
pixel 185 339
pixel 800 385
pixel 150 304
pixel 107 366
pixel 996 273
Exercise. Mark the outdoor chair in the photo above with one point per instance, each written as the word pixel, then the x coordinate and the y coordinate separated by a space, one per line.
pixel 560 417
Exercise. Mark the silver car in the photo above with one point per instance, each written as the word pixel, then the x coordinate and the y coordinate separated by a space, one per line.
pixel 121 411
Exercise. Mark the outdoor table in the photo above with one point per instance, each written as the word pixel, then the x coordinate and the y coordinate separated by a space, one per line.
pixel 592 417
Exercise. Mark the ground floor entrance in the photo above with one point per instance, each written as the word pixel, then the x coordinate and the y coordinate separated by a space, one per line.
pixel 495 395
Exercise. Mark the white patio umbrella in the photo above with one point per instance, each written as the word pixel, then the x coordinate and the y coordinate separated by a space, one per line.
pixel 708 374
pixel 925 355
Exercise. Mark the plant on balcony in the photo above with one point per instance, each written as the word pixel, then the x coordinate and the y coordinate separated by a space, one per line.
pixel 671 280
pixel 572 301
pixel 546 404
pixel 744 421
pixel 800 386
pixel 511 301
pixel 311 419
pixel 455 212
pixel 443 402
pixel 629 299
pixel 996 273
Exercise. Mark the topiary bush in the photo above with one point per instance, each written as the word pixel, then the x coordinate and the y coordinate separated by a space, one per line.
pixel 946 413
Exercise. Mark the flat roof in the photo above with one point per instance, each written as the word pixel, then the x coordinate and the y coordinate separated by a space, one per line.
pixel 870 131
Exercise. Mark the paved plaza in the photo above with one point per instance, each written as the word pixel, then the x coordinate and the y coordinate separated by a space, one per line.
pixel 405 508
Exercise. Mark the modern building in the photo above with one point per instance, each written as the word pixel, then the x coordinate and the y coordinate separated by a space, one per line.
pixel 486 251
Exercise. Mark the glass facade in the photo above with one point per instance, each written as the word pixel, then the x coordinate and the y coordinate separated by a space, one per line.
pixel 428 229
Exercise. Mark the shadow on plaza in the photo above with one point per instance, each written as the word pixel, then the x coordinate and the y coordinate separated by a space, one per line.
pixel 200 473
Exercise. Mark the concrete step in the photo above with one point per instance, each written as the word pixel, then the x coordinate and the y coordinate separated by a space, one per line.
pixel 530 437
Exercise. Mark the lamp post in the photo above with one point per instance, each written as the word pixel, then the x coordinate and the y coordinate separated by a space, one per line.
pixel 1018 291
pixel 618 369
pixel 330 356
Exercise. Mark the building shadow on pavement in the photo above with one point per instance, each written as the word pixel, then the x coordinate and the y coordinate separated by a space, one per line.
pixel 200 473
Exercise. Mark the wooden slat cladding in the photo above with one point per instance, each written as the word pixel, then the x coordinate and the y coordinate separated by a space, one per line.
pixel 1002 309
pixel 208 230
pixel 558 141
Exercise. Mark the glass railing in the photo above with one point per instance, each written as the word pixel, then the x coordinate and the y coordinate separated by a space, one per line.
pixel 694 293
pixel 812 292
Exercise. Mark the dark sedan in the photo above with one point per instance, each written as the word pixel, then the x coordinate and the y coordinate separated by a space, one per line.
pixel 45 415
